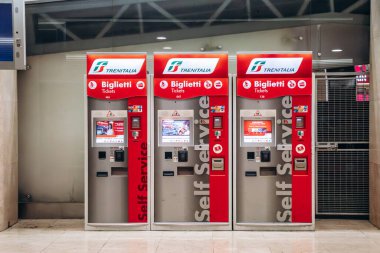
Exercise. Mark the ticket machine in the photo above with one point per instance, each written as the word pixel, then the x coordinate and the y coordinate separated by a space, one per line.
pixel 116 146
pixel 273 144
pixel 191 142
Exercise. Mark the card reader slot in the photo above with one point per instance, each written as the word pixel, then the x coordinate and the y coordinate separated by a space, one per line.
pixel 268 171
pixel 102 173
pixel 250 173
pixel 168 173
pixel 119 171
pixel 185 171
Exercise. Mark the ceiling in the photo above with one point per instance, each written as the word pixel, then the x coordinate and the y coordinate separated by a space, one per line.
pixel 58 26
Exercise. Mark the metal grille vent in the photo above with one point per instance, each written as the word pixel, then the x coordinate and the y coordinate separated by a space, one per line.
pixel 342 182
pixel 341 118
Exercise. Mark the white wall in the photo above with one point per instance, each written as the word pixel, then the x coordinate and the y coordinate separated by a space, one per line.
pixel 374 155
pixel 8 148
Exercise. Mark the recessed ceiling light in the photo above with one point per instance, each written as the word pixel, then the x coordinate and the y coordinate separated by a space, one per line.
pixel 161 38
pixel 167 48
pixel 337 50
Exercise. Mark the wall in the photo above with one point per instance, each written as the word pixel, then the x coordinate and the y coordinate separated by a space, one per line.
pixel 51 104
pixel 8 148
pixel 374 158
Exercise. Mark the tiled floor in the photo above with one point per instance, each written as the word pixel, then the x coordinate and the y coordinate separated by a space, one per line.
pixel 331 236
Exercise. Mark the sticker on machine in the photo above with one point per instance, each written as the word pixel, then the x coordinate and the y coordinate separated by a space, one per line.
pixel 301 108
pixel 134 108
pixel 300 148
pixel 217 148
pixel 218 108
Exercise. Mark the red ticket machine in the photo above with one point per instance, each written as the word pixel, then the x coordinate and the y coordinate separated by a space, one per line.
pixel 116 145
pixel 273 141
pixel 191 136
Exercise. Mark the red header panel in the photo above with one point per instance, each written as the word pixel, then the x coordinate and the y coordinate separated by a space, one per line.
pixel 116 76
pixel 191 65
pixel 183 76
pixel 270 75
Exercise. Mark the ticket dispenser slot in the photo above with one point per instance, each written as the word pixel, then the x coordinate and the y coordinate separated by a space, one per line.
pixel 217 164
pixel 185 171
pixel 119 171
pixel 300 164
pixel 268 171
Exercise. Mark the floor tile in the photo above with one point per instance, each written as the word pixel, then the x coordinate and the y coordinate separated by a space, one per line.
pixel 331 236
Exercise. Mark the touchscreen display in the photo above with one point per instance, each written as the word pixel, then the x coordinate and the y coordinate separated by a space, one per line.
pixel 108 131
pixel 175 131
pixel 257 131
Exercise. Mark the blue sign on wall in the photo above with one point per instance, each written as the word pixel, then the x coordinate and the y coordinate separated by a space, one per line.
pixel 6 32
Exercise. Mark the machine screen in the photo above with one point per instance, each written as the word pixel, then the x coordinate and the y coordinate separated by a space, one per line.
pixel 175 131
pixel 257 131
pixel 108 131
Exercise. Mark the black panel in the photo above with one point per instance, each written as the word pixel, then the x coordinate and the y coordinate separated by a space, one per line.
pixel 119 155
pixel 341 118
pixel 342 175
pixel 251 155
pixel 102 155
pixel 182 156
pixel 342 182
pixel 265 156
pixel 168 155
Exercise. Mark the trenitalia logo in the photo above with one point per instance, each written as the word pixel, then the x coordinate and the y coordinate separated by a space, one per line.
pixel 116 66
pixel 190 66
pixel 257 66
pixel 274 65
pixel 99 67
pixel 174 66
